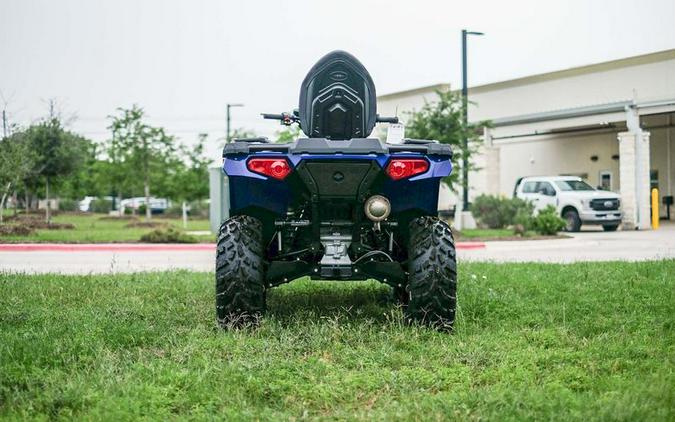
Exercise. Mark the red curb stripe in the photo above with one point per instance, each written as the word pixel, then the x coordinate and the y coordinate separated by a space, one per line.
pixel 470 245
pixel 103 247
pixel 131 247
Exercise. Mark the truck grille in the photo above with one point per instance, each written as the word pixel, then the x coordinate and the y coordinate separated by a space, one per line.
pixel 609 204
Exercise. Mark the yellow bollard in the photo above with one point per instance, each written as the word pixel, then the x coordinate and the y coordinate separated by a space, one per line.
pixel 655 208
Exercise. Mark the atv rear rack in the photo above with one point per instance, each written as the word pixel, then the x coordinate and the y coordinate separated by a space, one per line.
pixel 326 146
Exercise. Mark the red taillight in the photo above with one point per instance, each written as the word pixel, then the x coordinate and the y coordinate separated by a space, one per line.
pixel 276 168
pixel 403 168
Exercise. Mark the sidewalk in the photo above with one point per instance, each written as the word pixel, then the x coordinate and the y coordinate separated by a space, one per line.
pixel 118 257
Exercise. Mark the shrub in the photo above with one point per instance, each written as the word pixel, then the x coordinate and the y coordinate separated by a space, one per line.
pixel 548 222
pixel 68 205
pixel 523 220
pixel 101 206
pixel 168 235
pixel 497 212
pixel 141 209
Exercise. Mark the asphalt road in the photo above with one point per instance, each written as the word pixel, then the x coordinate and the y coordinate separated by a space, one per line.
pixel 86 259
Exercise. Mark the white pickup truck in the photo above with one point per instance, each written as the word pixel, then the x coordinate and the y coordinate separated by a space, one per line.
pixel 577 202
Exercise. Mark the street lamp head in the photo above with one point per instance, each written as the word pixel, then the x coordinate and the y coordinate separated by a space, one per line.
pixel 475 33
pixel 235 105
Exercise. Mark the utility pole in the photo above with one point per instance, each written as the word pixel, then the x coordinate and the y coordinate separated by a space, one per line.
pixel 465 121
pixel 4 123
pixel 229 106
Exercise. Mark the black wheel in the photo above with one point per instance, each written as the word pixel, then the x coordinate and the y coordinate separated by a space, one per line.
pixel 432 279
pixel 610 227
pixel 572 221
pixel 240 276
pixel 401 296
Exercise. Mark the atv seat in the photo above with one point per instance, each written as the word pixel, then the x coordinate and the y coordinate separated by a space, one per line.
pixel 337 99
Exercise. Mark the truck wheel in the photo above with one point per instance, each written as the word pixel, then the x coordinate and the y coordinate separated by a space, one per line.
pixel 401 296
pixel 572 221
pixel 610 227
pixel 240 287
pixel 432 279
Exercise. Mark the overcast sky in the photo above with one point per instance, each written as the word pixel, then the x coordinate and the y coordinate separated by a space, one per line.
pixel 184 60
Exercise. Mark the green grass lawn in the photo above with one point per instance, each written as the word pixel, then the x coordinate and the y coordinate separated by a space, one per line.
pixel 479 234
pixel 532 342
pixel 91 228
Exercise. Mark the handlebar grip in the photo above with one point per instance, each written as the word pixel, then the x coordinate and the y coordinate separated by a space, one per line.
pixel 380 119
pixel 273 116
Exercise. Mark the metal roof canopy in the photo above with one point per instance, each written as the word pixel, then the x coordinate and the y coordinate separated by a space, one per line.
pixel 610 109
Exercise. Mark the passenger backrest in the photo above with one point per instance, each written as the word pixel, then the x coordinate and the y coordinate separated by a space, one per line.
pixel 337 99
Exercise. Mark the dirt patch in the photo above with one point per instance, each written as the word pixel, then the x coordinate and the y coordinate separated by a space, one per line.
pixel 15 230
pixel 43 225
pixel 37 222
pixel 168 235
pixel 146 225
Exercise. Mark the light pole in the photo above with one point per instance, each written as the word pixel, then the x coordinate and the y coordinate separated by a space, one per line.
pixel 229 106
pixel 465 119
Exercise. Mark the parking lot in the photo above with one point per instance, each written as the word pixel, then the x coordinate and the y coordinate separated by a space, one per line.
pixel 591 244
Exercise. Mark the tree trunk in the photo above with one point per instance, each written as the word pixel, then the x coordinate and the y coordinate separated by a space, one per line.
pixel 2 202
pixel 148 211
pixel 48 214
pixel 120 210
pixel 184 215
pixel 15 202
pixel 25 204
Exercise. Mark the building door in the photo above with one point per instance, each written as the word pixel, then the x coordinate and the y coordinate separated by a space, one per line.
pixel 605 178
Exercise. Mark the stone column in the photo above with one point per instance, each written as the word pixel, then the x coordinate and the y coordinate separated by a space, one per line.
pixel 634 179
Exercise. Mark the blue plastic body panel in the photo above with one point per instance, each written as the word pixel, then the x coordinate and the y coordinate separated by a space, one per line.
pixel 248 189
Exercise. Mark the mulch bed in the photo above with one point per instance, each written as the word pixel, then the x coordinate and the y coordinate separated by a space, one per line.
pixel 15 230
pixel 24 225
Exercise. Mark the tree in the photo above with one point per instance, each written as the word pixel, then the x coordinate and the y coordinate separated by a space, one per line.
pixel 58 153
pixel 191 175
pixel 16 162
pixel 442 121
pixel 138 149
pixel 87 178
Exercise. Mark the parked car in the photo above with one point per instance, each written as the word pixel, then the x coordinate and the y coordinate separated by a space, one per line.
pixel 577 202
pixel 157 205
pixel 85 204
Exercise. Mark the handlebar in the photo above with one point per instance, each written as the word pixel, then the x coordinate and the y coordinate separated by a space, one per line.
pixel 380 119
pixel 273 116
pixel 285 118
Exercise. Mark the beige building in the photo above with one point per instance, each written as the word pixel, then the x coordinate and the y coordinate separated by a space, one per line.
pixel 611 123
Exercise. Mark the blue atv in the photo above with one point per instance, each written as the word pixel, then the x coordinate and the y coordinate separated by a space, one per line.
pixel 336 205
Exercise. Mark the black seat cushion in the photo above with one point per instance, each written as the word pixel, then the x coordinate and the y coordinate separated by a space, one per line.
pixel 337 99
